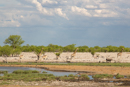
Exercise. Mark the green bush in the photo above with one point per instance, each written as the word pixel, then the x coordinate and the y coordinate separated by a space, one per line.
pixel 44 72
pixel 44 78
pixel 118 76
pixel 57 54
pixel 62 78
pixel 18 71
pixel 51 78
pixel 102 76
pixel 27 71
pixel 35 71
pixel 1 72
pixel 70 75
pixel 84 77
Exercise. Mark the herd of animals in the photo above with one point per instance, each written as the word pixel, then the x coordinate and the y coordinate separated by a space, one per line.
pixel 42 56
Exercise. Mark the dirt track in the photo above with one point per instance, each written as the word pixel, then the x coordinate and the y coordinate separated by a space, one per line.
pixel 97 69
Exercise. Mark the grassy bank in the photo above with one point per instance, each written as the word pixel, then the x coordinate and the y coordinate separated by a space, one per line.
pixel 33 75
pixel 78 64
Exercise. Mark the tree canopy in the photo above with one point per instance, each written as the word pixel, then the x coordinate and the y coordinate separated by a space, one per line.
pixel 6 51
pixel 14 41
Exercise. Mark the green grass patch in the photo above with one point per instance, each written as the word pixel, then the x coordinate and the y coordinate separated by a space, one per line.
pixel 2 72
pixel 78 64
pixel 44 72
pixel 84 77
pixel 118 76
pixel 97 76
pixel 31 75
pixel 25 72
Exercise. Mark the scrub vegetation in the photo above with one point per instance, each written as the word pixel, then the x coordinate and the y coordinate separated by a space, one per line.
pixel 13 47
pixel 33 75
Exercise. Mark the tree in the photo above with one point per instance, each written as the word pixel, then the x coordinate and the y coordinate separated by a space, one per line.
pixel 16 52
pixel 69 48
pixel 38 52
pixel 6 51
pixel 14 41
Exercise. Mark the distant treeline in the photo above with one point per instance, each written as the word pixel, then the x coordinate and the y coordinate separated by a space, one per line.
pixel 70 48
pixel 15 48
pixel 57 48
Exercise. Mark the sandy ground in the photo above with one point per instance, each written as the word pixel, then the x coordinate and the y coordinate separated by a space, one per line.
pixel 91 69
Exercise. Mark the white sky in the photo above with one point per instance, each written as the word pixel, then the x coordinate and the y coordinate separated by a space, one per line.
pixel 64 22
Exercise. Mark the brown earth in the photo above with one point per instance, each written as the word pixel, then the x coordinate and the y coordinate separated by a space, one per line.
pixel 90 69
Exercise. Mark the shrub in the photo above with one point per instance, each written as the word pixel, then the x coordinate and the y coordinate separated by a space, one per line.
pixel 44 72
pixel 18 71
pixel 27 71
pixel 3 72
pixel 70 75
pixel 51 78
pixel 72 79
pixel 50 75
pixel 102 76
pixel 35 71
pixel 84 77
pixel 57 54
pixel 44 78
pixel 118 76
pixel 62 78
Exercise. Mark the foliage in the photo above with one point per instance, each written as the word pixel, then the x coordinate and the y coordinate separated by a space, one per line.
pixel 69 48
pixel 14 41
pixel 70 75
pixel 84 77
pixel 44 72
pixel 93 52
pixel 25 72
pixel 58 54
pixel 102 76
pixel 1 72
pixel 118 76
pixel 6 50
pixel 16 52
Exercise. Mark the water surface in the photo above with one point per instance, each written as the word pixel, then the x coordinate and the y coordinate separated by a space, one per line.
pixel 11 69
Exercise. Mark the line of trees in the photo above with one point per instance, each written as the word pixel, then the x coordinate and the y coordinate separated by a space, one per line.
pixel 14 47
